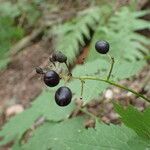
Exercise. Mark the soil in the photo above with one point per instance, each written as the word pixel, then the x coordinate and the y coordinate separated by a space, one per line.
pixel 19 82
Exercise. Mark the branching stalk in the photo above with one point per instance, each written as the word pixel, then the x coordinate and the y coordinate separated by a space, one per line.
pixel 111 67
pixel 114 84
pixel 82 86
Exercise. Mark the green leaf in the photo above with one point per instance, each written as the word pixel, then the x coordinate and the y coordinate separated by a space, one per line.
pixel 134 119
pixel 44 106
pixel 98 66
pixel 71 135
pixel 126 69
pixel 101 68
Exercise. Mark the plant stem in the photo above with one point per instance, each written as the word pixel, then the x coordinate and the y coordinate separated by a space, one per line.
pixel 68 69
pixel 111 67
pixel 82 86
pixel 112 83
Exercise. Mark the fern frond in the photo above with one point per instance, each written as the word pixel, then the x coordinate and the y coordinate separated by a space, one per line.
pixel 70 35
pixel 121 33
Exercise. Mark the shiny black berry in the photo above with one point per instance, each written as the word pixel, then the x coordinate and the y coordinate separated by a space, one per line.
pixel 102 47
pixel 63 96
pixel 51 78
pixel 58 56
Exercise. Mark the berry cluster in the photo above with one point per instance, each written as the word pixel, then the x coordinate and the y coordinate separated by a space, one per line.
pixel 51 78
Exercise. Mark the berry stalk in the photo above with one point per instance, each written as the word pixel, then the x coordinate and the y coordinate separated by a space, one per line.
pixel 82 86
pixel 68 68
pixel 112 83
pixel 111 67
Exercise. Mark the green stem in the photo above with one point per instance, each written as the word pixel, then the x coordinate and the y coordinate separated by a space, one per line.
pixel 82 86
pixel 111 67
pixel 112 83
pixel 68 69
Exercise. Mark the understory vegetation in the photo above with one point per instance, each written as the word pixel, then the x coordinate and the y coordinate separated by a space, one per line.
pixel 45 125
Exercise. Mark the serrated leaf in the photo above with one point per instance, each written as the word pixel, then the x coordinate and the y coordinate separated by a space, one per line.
pixel 134 119
pixel 44 106
pixel 71 135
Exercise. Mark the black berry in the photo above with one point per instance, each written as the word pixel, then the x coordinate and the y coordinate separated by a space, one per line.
pixel 63 96
pixel 51 78
pixel 102 47
pixel 58 56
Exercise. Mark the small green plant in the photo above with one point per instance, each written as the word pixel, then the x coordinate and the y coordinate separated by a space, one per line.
pixel 59 129
pixel 63 95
